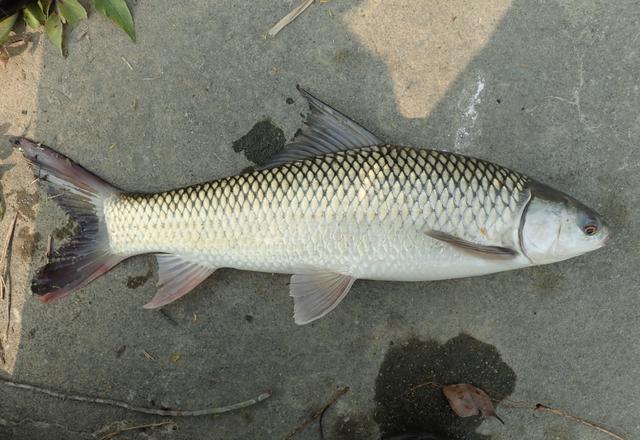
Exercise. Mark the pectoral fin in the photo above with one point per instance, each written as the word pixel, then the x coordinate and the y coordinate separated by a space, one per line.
pixel 176 278
pixel 465 245
pixel 316 294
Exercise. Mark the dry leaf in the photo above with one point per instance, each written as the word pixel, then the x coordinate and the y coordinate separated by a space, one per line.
pixel 195 318
pixel 175 357
pixel 466 401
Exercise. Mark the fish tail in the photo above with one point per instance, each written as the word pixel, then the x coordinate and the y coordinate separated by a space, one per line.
pixel 81 194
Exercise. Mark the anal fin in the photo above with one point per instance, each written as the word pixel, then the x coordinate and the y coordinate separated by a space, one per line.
pixel 176 278
pixel 316 294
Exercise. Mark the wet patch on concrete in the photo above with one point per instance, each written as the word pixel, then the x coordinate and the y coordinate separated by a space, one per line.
pixel 26 203
pixel 27 242
pixel 462 359
pixel 358 427
pixel 69 230
pixel 261 142
pixel 141 280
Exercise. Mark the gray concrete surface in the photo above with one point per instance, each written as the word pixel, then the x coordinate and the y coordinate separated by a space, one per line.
pixel 550 88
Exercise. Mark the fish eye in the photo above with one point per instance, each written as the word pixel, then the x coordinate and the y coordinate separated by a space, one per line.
pixel 590 229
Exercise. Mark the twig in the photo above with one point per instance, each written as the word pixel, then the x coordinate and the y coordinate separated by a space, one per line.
pixel 5 276
pixel 426 384
pixel 5 251
pixel 590 424
pixel 119 431
pixel 289 18
pixel 341 392
pixel 140 409
pixel 127 63
pixel 49 246
pixel 168 317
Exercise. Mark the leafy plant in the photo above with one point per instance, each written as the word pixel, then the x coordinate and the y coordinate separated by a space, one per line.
pixel 55 14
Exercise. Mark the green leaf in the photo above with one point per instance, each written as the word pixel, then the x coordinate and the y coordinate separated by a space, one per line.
pixel 53 28
pixel 118 11
pixel 71 11
pixel 33 15
pixel 6 25
pixel 44 6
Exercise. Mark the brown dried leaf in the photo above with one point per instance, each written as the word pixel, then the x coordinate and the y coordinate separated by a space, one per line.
pixel 466 401
pixel 175 357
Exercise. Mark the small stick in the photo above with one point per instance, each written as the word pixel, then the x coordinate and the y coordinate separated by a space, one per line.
pixel 5 251
pixel 426 384
pixel 590 424
pixel 289 18
pixel 127 63
pixel 168 317
pixel 140 409
pixel 341 392
pixel 119 431
pixel 49 246
pixel 6 270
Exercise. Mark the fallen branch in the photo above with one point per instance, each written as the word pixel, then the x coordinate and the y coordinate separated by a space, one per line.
pixel 318 413
pixel 119 431
pixel 289 18
pixel 140 409
pixel 590 424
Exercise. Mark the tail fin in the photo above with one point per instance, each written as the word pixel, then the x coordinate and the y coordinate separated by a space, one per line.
pixel 81 194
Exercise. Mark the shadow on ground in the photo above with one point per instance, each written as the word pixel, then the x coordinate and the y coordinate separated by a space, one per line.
pixel 553 93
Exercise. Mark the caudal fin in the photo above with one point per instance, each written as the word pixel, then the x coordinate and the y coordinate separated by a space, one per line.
pixel 81 194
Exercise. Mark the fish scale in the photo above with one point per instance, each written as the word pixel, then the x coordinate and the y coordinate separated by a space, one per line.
pixel 361 211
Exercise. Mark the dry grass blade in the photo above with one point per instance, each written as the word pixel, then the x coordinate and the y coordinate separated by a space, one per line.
pixel 289 18
pixel 590 424
pixel 140 409
pixel 119 431
pixel 341 392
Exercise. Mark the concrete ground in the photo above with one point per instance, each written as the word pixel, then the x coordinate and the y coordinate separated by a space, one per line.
pixel 550 88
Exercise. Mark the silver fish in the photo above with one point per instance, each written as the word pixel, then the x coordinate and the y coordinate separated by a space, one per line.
pixel 336 205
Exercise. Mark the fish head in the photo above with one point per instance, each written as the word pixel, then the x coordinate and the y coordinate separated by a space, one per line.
pixel 555 226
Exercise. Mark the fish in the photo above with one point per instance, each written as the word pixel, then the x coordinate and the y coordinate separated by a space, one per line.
pixel 337 204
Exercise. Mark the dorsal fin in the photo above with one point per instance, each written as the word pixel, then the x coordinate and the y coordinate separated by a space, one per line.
pixel 325 130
